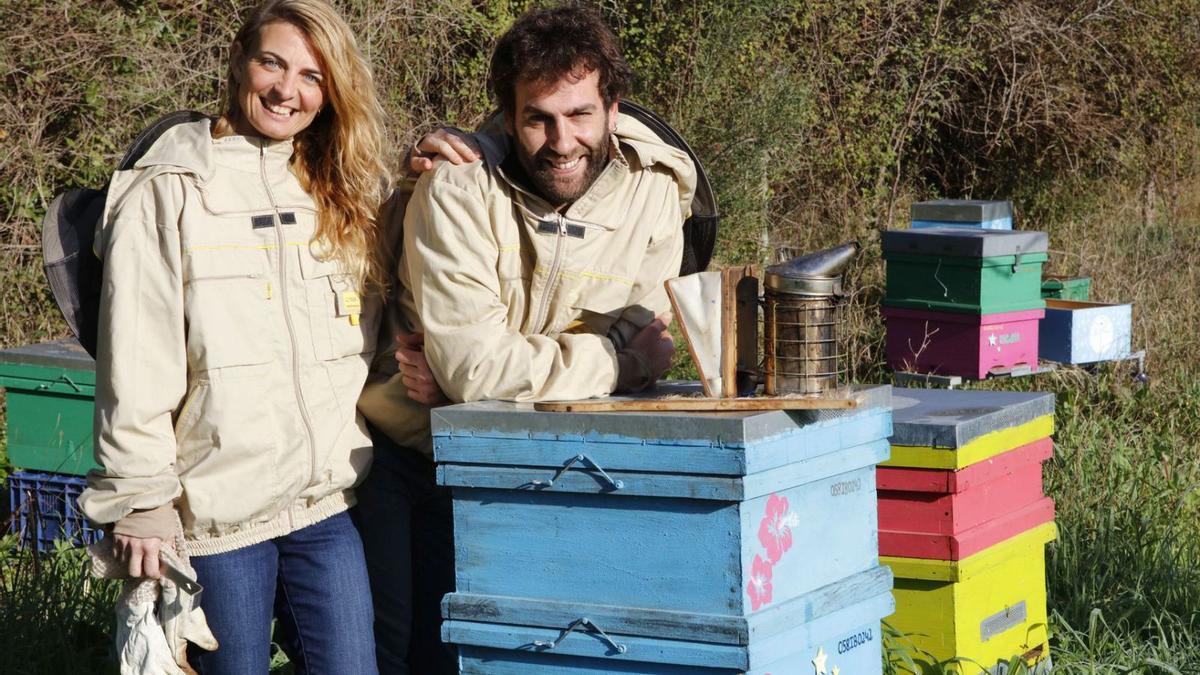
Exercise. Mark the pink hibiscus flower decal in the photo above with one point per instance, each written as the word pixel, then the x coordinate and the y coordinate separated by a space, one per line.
pixel 775 530
pixel 759 586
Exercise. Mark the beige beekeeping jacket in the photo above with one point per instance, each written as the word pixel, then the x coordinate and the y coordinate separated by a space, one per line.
pixel 519 302
pixel 230 357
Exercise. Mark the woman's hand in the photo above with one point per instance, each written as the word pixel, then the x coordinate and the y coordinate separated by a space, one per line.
pixel 446 143
pixel 415 373
pixel 139 555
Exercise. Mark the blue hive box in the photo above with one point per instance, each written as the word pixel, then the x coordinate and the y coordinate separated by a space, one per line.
pixel 987 215
pixel 1085 332
pixel 729 541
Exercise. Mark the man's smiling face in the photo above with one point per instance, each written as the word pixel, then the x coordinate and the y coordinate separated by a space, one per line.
pixel 562 132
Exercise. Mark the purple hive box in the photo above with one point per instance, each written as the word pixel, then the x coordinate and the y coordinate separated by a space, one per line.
pixel 951 343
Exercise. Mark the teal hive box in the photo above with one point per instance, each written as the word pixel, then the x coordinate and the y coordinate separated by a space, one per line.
pixel 50 388
pixel 953 269
pixel 700 529
pixel 1066 288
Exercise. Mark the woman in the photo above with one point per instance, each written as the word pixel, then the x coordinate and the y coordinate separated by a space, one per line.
pixel 234 342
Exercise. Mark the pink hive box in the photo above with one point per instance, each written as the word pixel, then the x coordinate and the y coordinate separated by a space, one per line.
pixel 952 343
pixel 948 515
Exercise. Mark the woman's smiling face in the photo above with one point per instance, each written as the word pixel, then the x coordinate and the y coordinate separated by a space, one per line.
pixel 280 83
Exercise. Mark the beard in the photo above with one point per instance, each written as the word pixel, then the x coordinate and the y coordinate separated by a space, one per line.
pixel 557 189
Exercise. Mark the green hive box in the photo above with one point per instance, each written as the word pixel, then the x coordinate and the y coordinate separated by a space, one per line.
pixel 1066 288
pixel 50 389
pixel 961 270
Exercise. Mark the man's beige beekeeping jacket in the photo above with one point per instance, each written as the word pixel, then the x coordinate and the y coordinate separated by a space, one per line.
pixel 230 356
pixel 519 302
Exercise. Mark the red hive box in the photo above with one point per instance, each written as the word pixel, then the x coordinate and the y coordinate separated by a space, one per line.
pixel 948 515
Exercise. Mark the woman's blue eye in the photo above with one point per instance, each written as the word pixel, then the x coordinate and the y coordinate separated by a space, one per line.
pixel 315 79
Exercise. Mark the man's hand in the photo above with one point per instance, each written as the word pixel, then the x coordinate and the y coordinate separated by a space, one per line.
pixel 415 373
pixel 138 554
pixel 446 143
pixel 647 356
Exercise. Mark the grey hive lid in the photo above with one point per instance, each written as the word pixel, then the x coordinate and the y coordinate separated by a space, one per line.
pixel 948 418
pixel 961 210
pixel 964 242
pixel 66 354
pixel 729 443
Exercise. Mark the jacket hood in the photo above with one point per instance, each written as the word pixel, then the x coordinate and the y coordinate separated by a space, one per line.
pixel 639 142
pixel 225 170
pixel 185 147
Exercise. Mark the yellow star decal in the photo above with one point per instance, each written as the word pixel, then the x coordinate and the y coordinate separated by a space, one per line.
pixel 819 661
pixel 836 671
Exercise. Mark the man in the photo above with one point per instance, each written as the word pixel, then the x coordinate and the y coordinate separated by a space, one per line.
pixel 535 274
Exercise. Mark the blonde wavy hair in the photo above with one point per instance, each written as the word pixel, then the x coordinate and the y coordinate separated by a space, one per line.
pixel 339 157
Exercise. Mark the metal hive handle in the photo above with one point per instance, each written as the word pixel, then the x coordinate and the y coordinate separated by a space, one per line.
pixel 614 484
pixel 586 623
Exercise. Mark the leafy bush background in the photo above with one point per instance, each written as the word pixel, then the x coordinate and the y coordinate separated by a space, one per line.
pixel 819 121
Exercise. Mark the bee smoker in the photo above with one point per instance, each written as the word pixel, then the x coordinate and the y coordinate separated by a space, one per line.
pixel 803 314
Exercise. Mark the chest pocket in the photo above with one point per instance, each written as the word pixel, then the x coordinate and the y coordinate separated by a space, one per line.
pixel 226 307
pixel 342 322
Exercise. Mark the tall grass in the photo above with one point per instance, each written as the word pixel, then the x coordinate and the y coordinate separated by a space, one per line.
pixel 54 618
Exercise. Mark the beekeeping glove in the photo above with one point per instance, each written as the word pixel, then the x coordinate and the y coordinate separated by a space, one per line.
pixel 179 609
pixel 155 618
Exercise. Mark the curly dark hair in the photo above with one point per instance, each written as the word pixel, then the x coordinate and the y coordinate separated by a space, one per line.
pixel 545 45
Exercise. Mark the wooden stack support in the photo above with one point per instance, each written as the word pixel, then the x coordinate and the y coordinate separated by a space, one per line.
pixel 964 522
pixel 961 301
pixel 664 542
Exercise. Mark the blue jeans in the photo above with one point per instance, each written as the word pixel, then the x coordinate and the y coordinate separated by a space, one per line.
pixel 314 581
pixel 408 535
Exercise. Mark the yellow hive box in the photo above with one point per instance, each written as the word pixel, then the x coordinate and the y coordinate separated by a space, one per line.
pixel 988 607
pixel 977 450
pixel 950 430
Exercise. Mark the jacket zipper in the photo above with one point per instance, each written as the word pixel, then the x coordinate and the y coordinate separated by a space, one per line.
pixel 560 238
pixel 287 315
pixel 226 277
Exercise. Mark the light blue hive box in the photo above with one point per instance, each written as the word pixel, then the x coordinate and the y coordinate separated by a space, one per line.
pixel 987 215
pixel 674 542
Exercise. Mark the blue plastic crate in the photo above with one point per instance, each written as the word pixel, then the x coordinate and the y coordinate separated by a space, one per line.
pixel 44 510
